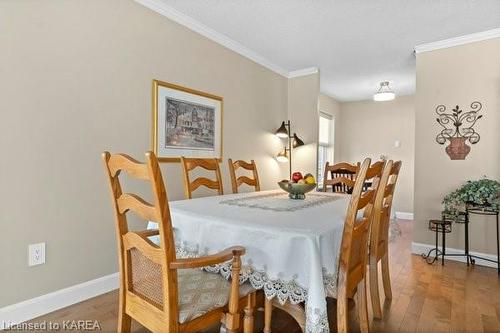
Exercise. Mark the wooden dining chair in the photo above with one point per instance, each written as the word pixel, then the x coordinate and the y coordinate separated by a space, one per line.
pixel 238 181
pixel 211 164
pixel 353 252
pixel 379 237
pixel 342 177
pixel 159 290
pixel 354 247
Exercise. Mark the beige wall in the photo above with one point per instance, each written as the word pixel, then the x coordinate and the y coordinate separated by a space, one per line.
pixel 75 78
pixel 457 75
pixel 330 106
pixel 369 129
pixel 303 95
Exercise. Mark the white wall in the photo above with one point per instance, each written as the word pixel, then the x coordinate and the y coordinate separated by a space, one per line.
pixel 303 94
pixel 76 80
pixel 370 129
pixel 456 76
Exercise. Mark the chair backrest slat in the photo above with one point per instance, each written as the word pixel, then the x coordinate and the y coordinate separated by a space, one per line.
pixel 210 164
pixel 238 181
pixel 124 162
pixel 130 201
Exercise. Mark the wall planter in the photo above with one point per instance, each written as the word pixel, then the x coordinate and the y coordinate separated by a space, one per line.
pixel 458 149
pixel 458 129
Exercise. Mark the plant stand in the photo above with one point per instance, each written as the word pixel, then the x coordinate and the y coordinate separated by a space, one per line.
pixel 481 210
pixel 442 227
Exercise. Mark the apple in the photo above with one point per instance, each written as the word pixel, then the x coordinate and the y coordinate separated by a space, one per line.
pixel 301 181
pixel 296 177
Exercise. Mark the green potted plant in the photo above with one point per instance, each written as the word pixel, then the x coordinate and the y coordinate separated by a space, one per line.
pixel 483 192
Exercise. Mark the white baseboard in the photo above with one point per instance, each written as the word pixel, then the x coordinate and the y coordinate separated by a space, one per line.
pixel 39 306
pixel 419 248
pixel 404 216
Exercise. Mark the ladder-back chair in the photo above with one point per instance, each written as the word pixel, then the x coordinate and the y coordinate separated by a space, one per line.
pixel 238 181
pixel 353 253
pixel 156 287
pixel 342 177
pixel 379 238
pixel 354 248
pixel 211 164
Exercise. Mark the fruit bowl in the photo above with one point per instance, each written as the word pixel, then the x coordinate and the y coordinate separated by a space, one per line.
pixel 295 190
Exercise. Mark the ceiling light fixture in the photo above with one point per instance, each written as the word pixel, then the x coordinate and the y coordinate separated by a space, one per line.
pixel 384 93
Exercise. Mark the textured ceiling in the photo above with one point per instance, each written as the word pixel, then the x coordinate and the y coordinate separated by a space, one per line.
pixel 354 43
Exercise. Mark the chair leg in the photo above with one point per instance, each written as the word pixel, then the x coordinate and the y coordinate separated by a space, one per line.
pixel 362 307
pixel 124 320
pixel 342 312
pixel 248 320
pixel 374 292
pixel 268 312
pixel 386 278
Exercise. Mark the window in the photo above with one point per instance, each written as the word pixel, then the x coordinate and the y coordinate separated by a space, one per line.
pixel 325 144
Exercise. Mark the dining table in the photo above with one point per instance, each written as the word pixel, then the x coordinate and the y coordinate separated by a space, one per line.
pixel 292 246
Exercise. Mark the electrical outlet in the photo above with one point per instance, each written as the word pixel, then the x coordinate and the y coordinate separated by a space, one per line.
pixel 36 254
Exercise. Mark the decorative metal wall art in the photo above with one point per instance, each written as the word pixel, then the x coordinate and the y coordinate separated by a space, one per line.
pixel 457 129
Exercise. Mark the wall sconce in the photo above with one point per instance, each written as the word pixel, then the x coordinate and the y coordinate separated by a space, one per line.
pixel 284 131
pixel 457 128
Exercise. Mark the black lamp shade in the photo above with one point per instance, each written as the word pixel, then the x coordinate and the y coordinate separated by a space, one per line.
pixel 297 142
pixel 282 131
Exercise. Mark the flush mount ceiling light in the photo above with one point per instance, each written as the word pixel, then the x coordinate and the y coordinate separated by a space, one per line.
pixel 384 93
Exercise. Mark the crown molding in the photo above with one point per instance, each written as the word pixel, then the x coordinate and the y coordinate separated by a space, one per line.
pixel 303 72
pixel 194 25
pixel 455 41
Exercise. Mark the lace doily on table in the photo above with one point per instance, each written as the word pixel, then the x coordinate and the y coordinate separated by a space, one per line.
pixel 280 202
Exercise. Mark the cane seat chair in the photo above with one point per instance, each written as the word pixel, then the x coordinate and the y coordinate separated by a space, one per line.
pixel 238 181
pixel 379 238
pixel 162 292
pixel 210 164
pixel 342 177
pixel 353 252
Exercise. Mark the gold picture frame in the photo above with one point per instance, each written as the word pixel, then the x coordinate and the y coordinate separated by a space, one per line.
pixel 198 136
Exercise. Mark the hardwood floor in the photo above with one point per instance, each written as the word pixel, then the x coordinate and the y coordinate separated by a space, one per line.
pixel 450 298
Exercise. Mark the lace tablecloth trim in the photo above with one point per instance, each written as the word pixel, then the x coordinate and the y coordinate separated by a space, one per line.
pixel 316 321
pixel 285 291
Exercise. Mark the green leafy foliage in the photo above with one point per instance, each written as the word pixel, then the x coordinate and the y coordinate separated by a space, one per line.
pixel 483 192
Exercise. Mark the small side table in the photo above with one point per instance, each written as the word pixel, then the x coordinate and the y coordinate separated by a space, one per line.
pixel 442 226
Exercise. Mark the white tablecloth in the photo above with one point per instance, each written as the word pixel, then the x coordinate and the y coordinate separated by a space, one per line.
pixel 292 246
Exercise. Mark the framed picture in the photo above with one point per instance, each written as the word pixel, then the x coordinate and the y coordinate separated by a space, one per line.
pixel 186 122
